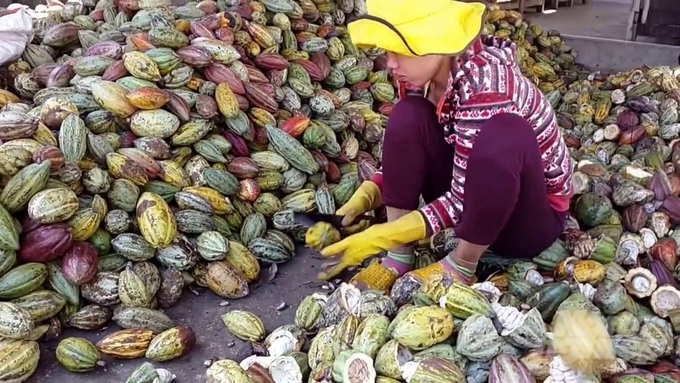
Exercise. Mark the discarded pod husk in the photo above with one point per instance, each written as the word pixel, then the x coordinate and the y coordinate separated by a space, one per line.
pixel 463 301
pixel 636 174
pixel 259 374
pixel 640 282
pixel 629 248
pixel 523 330
pixel 505 368
pixel 285 339
pixel 626 193
pixel 623 323
pixel 390 358
pixel 659 335
pixel 634 350
pixel 431 291
pixel 671 205
pixel 323 373
pixel 660 223
pixel 321 347
pixel 581 182
pixel 665 250
pixel 489 290
pixel 611 297
pixel 500 281
pixel 344 333
pixel 478 339
pixel 551 257
pixel 634 218
pixel 615 272
pixel 342 302
pixel 665 299
pixel 285 369
pixel 583 271
pixel 527 271
pixel 648 238
pixel 442 350
pixel 421 327
pixel 663 275
pixel 604 250
pixel 432 369
pixel 353 366
pixel 538 363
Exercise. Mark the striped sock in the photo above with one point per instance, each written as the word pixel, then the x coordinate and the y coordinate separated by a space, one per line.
pixel 451 265
pixel 400 263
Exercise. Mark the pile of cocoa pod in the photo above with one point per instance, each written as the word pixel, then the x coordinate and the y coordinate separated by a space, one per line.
pixel 148 147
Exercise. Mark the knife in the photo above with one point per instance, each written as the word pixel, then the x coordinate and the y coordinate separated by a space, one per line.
pixel 310 219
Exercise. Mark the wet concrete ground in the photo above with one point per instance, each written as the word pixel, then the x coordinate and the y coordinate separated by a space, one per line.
pixel 202 313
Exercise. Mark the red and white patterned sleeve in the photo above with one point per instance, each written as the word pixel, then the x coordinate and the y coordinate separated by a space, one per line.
pixel 446 211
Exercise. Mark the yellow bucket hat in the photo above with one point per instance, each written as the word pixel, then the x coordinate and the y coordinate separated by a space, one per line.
pixel 418 27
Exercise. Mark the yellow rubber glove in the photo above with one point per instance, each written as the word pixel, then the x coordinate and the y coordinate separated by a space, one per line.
pixel 355 249
pixel 366 198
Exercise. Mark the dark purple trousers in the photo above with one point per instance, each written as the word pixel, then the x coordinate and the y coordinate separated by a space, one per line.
pixel 504 178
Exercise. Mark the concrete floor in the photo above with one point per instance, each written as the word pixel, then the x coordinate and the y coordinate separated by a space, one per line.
pixel 202 313
pixel 598 19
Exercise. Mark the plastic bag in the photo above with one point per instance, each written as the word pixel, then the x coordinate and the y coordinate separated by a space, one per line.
pixel 16 31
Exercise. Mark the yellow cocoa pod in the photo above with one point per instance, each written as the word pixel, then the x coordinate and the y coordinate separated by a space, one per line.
pixel 219 202
pixel 174 174
pixel 320 235
pixel 84 224
pixel 141 66
pixel 155 219
pixel 226 101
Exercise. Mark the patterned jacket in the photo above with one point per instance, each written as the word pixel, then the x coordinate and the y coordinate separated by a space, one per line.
pixel 489 82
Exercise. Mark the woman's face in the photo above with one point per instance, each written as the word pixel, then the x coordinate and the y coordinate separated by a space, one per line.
pixel 414 70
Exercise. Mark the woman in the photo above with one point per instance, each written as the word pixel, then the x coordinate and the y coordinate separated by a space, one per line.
pixel 481 145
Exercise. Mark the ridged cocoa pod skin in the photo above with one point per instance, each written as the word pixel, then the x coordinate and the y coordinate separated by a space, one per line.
pixel 46 243
pixel 51 153
pixel 634 218
pixel 80 263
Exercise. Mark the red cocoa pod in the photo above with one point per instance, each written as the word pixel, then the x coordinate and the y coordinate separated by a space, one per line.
pixel 28 225
pixel 320 159
pixel 269 61
pixel 42 72
pixel 206 106
pixel 243 103
pixel 80 263
pixel 323 62
pixel 259 98
pixel 632 135
pixel 115 71
pixel 60 76
pixel 221 74
pixel 256 76
pixel 127 139
pixel 200 30
pixel 225 34
pixel 212 21
pixel 249 190
pixel 261 137
pixel 299 25
pixel 239 146
pixel 46 243
pixel 296 125
pixel 179 107
pixel 243 167
pixel 333 174
pixel 51 153
pixel 194 56
pixel 386 108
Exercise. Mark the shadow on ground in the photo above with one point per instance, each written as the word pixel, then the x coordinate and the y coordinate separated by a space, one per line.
pixel 202 313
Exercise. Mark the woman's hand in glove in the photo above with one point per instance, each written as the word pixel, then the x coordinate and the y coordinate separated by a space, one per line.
pixel 355 249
